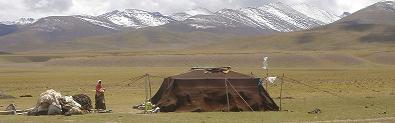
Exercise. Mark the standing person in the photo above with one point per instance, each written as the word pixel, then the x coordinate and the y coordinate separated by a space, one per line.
pixel 99 96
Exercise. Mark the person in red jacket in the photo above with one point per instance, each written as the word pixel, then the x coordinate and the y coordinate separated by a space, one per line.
pixel 99 96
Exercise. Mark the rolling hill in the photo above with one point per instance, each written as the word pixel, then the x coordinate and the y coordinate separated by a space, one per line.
pixel 372 28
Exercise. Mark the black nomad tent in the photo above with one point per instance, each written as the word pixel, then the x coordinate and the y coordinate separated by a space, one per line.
pixel 212 89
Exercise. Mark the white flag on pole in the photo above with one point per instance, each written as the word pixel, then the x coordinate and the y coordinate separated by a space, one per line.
pixel 271 79
pixel 264 64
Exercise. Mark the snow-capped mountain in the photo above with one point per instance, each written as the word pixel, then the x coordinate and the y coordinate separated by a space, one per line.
pixel 274 16
pixel 315 13
pixel 278 17
pixel 270 18
pixel 21 21
pixel 24 21
pixel 136 18
pixel 181 16
pixel 115 20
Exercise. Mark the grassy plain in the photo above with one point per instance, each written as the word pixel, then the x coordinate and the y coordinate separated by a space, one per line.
pixel 363 80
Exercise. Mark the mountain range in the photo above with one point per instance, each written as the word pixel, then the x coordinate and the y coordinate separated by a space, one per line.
pixel 133 29
pixel 370 29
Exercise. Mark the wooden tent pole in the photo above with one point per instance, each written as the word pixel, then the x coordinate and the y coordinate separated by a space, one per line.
pixel 234 89
pixel 267 81
pixel 145 87
pixel 149 85
pixel 227 95
pixel 145 91
pixel 281 90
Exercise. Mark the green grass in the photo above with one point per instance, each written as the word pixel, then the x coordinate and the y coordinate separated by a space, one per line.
pixel 368 84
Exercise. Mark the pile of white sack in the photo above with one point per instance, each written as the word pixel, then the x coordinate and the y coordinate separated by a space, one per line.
pixel 53 103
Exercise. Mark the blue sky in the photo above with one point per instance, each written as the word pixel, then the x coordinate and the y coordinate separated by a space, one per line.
pixel 13 9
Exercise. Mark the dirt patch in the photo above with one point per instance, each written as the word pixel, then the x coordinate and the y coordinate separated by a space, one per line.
pixel 305 38
pixel 5 96
pixel 355 26
pixel 341 59
pixel 379 37
pixel 28 59
pixel 295 60
pixel 4 53
pixel 383 58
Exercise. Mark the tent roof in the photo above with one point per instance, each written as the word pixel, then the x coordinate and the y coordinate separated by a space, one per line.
pixel 203 74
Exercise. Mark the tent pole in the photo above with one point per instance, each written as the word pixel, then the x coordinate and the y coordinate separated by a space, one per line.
pixel 145 91
pixel 227 95
pixel 234 89
pixel 281 91
pixel 149 85
pixel 267 81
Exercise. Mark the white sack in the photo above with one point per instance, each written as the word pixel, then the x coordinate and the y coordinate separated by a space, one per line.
pixel 271 79
pixel 51 97
pixel 69 100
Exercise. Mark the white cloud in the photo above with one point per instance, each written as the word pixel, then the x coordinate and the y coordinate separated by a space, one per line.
pixel 13 9
pixel 52 6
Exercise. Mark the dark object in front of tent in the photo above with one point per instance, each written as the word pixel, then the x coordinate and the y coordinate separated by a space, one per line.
pixel 84 100
pixel 285 98
pixel 26 95
pixel 315 111
pixel 202 91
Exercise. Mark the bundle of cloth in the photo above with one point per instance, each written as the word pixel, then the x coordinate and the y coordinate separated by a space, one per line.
pixel 51 102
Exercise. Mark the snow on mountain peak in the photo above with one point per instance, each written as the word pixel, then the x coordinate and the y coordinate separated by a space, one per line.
pixel 276 16
pixel 386 5
pixel 273 16
pixel 21 21
pixel 24 21
pixel 94 21
pixel 181 16
pixel 136 18
pixel 315 13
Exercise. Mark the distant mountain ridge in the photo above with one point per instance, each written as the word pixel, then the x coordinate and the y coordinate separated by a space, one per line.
pixel 121 27
pixel 371 28
pixel 20 21
pixel 299 16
